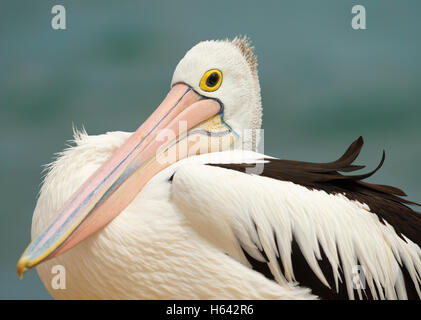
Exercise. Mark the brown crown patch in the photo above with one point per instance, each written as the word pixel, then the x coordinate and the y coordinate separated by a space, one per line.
pixel 244 44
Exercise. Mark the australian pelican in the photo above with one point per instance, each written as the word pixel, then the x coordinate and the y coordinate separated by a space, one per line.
pixel 184 208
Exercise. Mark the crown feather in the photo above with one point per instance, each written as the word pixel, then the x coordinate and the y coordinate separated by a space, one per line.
pixel 244 44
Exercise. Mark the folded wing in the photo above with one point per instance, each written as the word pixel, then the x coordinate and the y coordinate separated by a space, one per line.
pixel 308 223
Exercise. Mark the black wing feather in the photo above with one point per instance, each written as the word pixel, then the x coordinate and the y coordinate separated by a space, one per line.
pixel 384 201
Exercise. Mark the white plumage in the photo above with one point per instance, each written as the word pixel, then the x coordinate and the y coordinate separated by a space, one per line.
pixel 342 227
pixel 173 239
pixel 150 250
pixel 194 231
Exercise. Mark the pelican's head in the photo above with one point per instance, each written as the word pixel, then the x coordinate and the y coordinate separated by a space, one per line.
pixel 214 104
pixel 226 71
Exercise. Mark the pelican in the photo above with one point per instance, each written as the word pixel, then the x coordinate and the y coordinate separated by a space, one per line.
pixel 185 208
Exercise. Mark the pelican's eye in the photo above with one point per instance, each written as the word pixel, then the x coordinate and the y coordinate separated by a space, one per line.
pixel 211 80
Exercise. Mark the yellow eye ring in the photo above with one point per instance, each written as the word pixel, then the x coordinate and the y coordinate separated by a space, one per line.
pixel 211 80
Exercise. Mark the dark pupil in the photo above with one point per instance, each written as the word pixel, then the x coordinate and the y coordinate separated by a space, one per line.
pixel 212 80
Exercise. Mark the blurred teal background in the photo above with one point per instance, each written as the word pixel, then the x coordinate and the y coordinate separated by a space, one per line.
pixel 323 85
